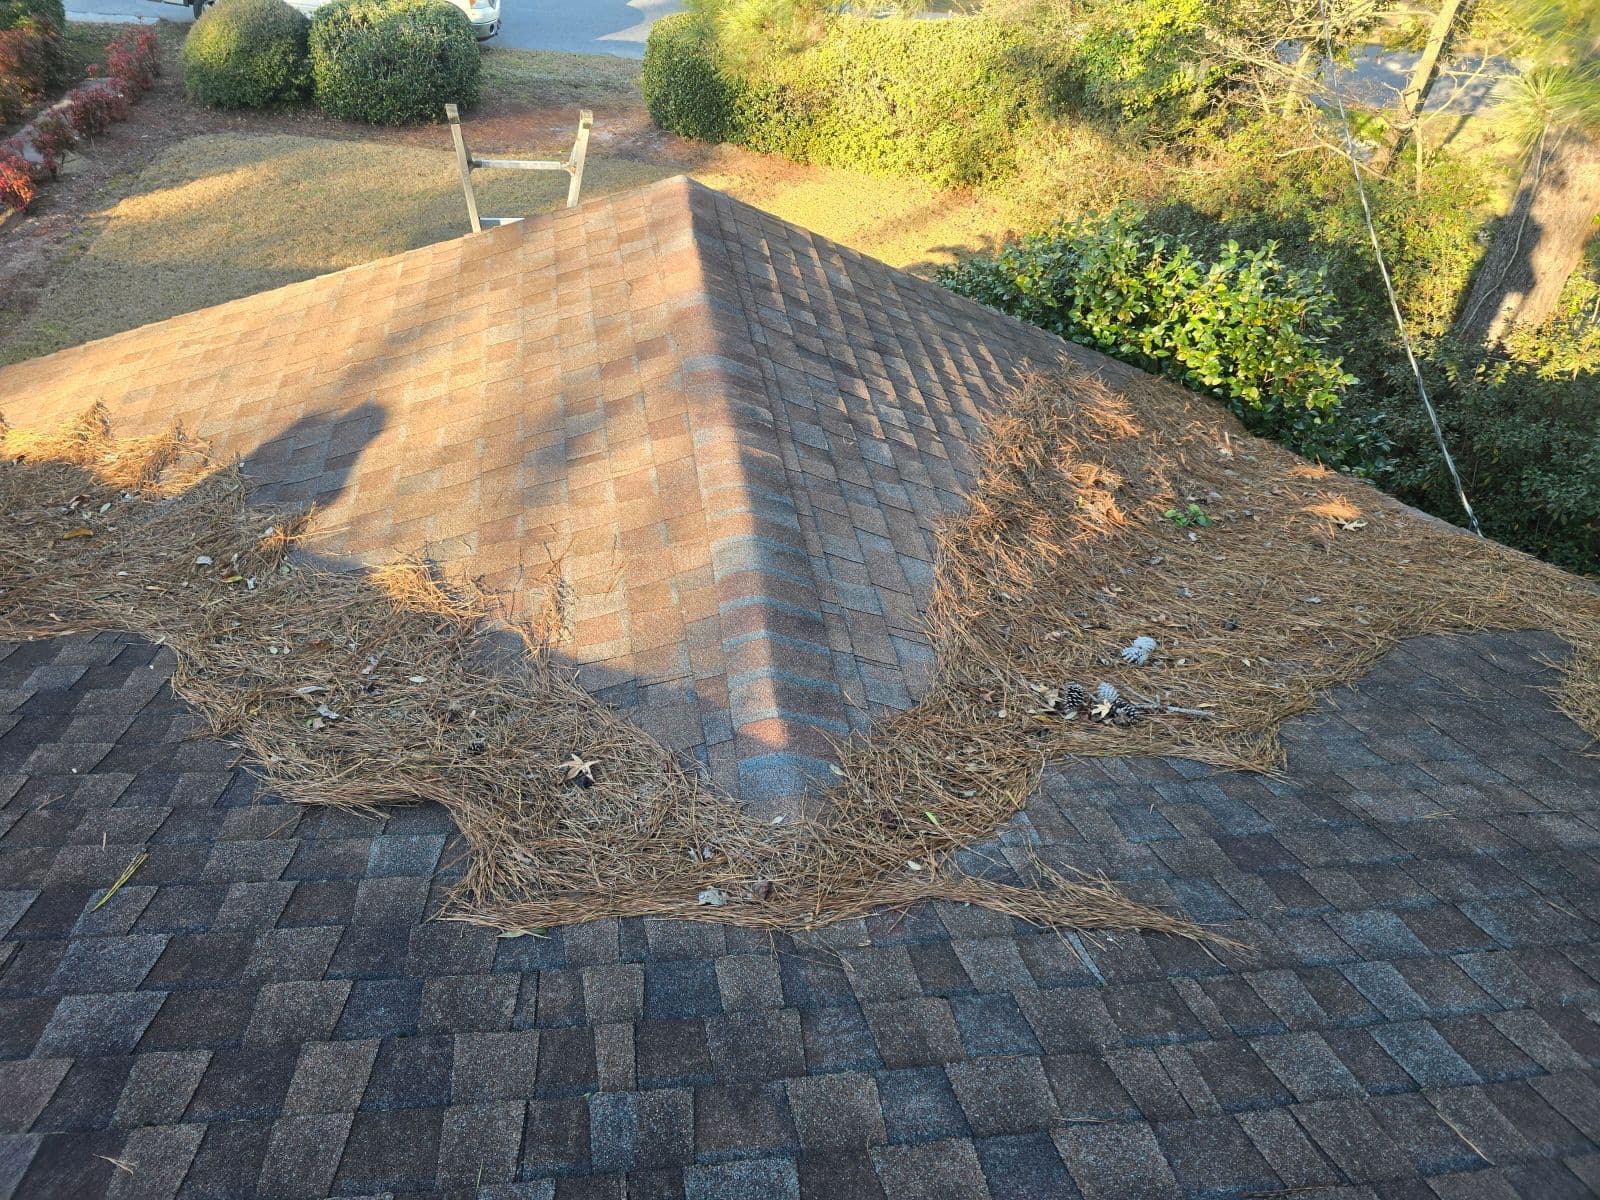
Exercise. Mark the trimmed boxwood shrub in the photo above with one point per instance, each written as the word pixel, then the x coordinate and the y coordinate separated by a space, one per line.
pixel 682 86
pixel 390 62
pixel 247 54
pixel 945 100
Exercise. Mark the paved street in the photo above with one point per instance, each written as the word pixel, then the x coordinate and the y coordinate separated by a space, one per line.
pixel 584 26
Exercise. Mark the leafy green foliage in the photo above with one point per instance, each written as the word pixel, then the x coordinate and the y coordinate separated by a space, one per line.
pixel 949 101
pixel 749 35
pixel 247 54
pixel 1188 109
pixel 683 88
pixel 1559 85
pixel 943 100
pixel 1137 58
pixel 1568 345
pixel 1242 327
pixel 15 12
pixel 1253 189
pixel 1527 442
pixel 390 62
pixel 1191 514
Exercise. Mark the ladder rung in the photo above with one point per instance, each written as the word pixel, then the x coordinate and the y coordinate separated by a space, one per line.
pixel 521 164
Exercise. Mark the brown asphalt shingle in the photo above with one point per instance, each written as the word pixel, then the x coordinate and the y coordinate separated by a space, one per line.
pixel 266 1010
pixel 731 438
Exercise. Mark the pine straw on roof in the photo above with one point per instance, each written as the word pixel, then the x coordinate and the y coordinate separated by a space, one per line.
pixel 364 690
pixel 1101 516
pixel 1299 580
pixel 374 689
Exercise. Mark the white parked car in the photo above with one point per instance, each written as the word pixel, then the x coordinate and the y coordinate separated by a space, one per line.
pixel 484 14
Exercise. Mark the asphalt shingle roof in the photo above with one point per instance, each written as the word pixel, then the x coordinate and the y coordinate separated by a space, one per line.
pixel 732 436
pixel 735 438
pixel 263 1010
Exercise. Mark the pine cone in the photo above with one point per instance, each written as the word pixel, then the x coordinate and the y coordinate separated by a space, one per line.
pixel 1123 713
pixel 1073 698
pixel 1138 653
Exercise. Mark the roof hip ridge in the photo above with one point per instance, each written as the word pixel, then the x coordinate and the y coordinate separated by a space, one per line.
pixel 786 705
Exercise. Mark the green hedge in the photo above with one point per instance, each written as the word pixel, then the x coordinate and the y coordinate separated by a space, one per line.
pixel 1526 440
pixel 682 87
pixel 1242 327
pixel 390 62
pixel 247 54
pixel 944 100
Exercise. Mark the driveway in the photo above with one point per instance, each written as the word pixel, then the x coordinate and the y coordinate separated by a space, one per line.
pixel 585 26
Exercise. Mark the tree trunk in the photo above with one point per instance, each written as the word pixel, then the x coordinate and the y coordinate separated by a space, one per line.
pixel 1418 86
pixel 1539 243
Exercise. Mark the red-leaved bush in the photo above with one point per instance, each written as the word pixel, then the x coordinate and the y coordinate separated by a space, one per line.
pixel 132 64
pixel 17 187
pixel 90 110
pixel 52 136
pixel 132 60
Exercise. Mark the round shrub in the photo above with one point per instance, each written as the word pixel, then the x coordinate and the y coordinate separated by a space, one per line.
pixel 389 62
pixel 683 89
pixel 247 54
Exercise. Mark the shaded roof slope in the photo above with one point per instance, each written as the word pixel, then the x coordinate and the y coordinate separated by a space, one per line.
pixel 725 440
pixel 265 1009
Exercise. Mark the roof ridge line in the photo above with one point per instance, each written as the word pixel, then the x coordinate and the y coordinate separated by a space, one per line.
pixel 784 698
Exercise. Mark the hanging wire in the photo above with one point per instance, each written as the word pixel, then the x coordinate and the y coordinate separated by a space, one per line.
pixel 1383 270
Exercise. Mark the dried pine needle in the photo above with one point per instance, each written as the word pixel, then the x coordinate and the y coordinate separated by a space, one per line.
pixel 139 860
pixel 364 690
